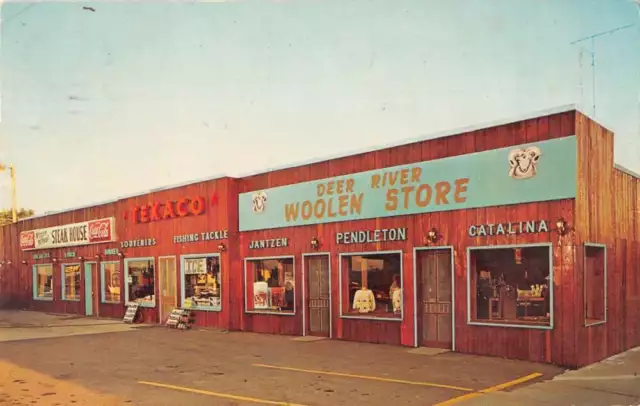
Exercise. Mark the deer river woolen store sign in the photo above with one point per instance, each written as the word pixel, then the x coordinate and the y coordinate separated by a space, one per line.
pixel 69 235
pixel 534 172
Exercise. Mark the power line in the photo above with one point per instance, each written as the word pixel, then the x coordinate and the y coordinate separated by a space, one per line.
pixel 5 21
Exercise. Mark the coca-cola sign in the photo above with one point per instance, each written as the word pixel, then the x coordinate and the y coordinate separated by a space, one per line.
pixel 27 240
pixel 100 230
pixel 69 235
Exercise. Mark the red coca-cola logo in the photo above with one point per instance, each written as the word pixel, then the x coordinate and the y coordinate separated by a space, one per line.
pixel 27 240
pixel 100 230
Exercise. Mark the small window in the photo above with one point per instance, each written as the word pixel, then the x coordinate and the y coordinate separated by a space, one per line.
pixel 270 285
pixel 510 286
pixel 202 282
pixel 595 276
pixel 71 282
pixel 141 281
pixel 372 285
pixel 110 278
pixel 43 282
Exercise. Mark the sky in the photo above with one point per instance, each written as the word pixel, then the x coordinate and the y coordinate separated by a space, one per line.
pixel 136 96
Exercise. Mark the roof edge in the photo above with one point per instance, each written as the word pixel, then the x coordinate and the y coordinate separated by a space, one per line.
pixel 441 134
pixel 626 170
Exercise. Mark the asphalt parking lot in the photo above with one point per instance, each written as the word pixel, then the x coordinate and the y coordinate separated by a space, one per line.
pixel 157 366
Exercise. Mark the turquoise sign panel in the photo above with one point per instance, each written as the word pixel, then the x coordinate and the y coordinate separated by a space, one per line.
pixel 540 171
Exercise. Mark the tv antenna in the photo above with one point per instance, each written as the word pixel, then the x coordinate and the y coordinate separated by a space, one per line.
pixel 592 51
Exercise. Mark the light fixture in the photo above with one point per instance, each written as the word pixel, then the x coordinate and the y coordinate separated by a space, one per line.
pixel 97 257
pixel 25 263
pixel 561 226
pixel 81 258
pixel 54 260
pixel 432 236
pixel 315 243
pixel 120 254
pixel 221 247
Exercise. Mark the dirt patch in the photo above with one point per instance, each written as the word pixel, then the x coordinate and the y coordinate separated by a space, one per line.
pixel 24 387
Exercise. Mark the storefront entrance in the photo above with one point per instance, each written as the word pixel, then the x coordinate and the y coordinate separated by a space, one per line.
pixel 434 283
pixel 167 279
pixel 318 300
pixel 90 288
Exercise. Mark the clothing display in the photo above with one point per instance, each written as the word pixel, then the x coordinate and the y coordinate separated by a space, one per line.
pixel 277 297
pixel 260 295
pixel 396 299
pixel 364 301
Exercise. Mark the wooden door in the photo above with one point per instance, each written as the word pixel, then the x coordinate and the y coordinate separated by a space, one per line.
pixel 168 289
pixel 435 307
pixel 318 295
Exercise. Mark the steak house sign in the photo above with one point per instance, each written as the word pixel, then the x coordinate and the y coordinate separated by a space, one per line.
pixel 69 235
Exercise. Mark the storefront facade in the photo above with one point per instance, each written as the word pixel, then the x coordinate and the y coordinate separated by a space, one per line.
pixel 176 247
pixel 511 240
pixel 391 255
pixel 53 263
pixel 165 249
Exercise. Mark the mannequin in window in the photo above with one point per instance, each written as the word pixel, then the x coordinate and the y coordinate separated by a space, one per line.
pixel 395 295
pixel 364 300
pixel 288 295
pixel 484 293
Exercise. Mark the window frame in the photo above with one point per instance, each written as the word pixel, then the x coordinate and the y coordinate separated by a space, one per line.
pixel 103 299
pixel 182 283
pixel 126 282
pixel 470 320
pixel 34 271
pixel 403 287
pixel 63 281
pixel 584 282
pixel 244 286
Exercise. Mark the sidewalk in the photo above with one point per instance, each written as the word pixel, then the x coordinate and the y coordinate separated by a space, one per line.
pixel 614 381
pixel 16 325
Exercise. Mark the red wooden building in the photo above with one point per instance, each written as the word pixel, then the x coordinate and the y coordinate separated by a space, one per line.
pixel 518 240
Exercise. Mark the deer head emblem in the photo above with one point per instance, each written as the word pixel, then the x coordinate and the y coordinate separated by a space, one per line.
pixel 523 162
pixel 259 201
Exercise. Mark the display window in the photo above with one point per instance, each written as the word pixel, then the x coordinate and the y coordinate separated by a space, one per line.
pixel 511 286
pixel 140 281
pixel 43 282
pixel 71 282
pixel 110 282
pixel 595 284
pixel 371 285
pixel 270 285
pixel 201 282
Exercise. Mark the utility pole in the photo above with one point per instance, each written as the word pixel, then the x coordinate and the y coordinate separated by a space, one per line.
pixel 14 199
pixel 592 51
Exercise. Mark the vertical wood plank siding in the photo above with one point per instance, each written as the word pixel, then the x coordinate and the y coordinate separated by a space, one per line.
pixel 607 212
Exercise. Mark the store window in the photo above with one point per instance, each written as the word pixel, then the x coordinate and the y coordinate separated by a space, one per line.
pixel 270 285
pixel 595 285
pixel 141 281
pixel 43 282
pixel 511 286
pixel 372 285
pixel 110 282
pixel 71 284
pixel 202 282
